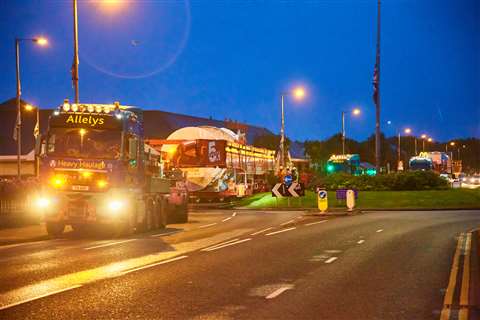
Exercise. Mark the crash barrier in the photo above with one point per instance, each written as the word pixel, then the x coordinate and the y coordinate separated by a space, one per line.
pixel 16 201
pixel 462 297
pixel 347 195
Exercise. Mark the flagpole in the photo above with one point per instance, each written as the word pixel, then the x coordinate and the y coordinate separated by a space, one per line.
pixel 75 51
pixel 377 105
pixel 18 122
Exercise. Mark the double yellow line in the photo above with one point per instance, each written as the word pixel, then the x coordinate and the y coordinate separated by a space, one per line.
pixel 464 248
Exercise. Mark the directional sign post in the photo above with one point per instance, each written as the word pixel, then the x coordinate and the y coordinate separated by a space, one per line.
pixel 322 200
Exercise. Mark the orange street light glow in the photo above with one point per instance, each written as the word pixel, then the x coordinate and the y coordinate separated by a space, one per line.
pixel 82 132
pixel 408 130
pixel 29 107
pixel 299 93
pixel 452 143
pixel 41 41
pixel 430 140
pixel 423 136
pixel 356 111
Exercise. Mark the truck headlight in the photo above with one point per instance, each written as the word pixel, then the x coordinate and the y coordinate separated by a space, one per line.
pixel 42 202
pixel 116 205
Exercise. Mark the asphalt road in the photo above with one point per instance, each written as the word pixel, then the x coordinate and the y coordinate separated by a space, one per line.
pixel 242 265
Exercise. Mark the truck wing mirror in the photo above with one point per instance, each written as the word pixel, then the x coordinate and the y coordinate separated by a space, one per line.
pixel 38 145
pixel 132 148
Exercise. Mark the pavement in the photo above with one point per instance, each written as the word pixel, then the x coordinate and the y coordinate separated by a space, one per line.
pixel 227 264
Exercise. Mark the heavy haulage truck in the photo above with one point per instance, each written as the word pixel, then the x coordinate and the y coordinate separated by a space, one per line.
pixel 95 170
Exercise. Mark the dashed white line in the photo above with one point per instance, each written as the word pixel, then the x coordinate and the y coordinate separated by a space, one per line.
pixel 360 241
pixel 234 214
pixel 164 234
pixel 39 297
pixel 330 260
pixel 154 264
pixel 280 231
pixel 227 245
pixel 226 219
pixel 287 222
pixel 379 230
pixel 261 231
pixel 220 244
pixel 278 292
pixel 207 225
pixel 317 222
pixel 110 244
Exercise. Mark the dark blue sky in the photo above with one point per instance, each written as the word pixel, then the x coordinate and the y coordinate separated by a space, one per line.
pixel 231 59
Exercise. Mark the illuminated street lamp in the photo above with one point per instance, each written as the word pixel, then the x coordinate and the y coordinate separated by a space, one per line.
pixel 355 112
pixel 18 123
pixel 298 93
pixel 423 136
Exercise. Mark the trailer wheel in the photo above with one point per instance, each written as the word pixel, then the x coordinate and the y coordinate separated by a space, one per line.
pixel 55 229
pixel 162 213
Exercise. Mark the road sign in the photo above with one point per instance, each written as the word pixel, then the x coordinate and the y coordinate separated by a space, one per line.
pixel 322 200
pixel 276 192
pixel 295 189
pixel 350 199
pixel 287 180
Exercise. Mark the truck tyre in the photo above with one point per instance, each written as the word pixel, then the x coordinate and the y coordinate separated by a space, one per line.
pixel 162 213
pixel 55 229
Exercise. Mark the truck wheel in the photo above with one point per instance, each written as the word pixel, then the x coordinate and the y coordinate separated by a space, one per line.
pixel 55 229
pixel 79 229
pixel 162 213
pixel 181 213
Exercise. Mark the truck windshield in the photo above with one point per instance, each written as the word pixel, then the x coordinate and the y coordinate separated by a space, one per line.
pixel 84 143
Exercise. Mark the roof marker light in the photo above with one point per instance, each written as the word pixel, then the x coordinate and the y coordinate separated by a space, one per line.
pixel 90 108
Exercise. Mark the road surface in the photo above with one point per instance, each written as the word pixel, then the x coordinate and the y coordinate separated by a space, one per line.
pixel 242 265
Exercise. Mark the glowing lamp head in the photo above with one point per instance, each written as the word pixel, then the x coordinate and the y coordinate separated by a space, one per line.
pixel 29 107
pixel 42 202
pixel 66 107
pixel 74 107
pixel 423 136
pixel 452 143
pixel 429 139
pixel 356 111
pixel 82 132
pixel 115 205
pixel 98 109
pixel 408 131
pixel 90 108
pixel 41 41
pixel 299 93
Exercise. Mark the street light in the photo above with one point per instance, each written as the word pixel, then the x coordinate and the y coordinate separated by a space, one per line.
pixel 18 124
pixel 355 112
pixel 423 136
pixel 298 93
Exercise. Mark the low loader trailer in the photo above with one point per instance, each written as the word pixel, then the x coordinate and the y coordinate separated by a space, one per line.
pixel 95 170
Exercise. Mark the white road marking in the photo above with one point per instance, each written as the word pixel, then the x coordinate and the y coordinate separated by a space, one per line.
pixel 379 230
pixel 312 223
pixel 110 244
pixel 154 264
pixel 9 246
pixel 226 219
pixel 333 251
pixel 39 297
pixel 220 244
pixel 234 214
pixel 278 292
pixel 280 231
pixel 227 245
pixel 330 260
pixel 207 225
pixel 360 241
pixel 261 231
pixel 164 234
pixel 289 221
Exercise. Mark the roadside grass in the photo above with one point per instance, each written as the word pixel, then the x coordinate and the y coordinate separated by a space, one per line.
pixel 428 199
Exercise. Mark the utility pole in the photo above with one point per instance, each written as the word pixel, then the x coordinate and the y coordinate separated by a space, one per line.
pixel 343 132
pixel 18 122
pixel 282 135
pixel 377 105
pixel 75 51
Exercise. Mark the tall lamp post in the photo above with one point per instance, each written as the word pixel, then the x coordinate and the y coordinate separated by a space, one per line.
pixel 18 124
pixel 75 51
pixel 355 112
pixel 298 93
pixel 399 152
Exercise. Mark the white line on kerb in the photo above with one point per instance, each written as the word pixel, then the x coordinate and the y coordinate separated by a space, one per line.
pixel 312 223
pixel 110 244
pixel 261 231
pixel 360 241
pixel 39 297
pixel 226 219
pixel 330 260
pixel 164 234
pixel 227 245
pixel 208 225
pixel 154 264
pixel 234 214
pixel 278 292
pixel 280 231
pixel 379 230
pixel 287 222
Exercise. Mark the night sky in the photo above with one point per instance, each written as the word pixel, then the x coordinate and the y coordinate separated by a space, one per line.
pixel 232 59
